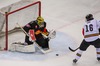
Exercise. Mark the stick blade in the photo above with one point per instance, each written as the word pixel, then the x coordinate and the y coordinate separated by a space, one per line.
pixel 71 49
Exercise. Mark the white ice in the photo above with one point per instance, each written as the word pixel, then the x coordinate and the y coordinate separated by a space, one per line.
pixel 67 18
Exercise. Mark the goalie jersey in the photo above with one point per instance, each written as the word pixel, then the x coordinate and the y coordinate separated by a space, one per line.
pixel 38 31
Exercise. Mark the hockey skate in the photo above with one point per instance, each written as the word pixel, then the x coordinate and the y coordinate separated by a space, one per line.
pixel 98 58
pixel 74 61
pixel 45 49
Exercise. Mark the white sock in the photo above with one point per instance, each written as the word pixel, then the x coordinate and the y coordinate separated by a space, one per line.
pixel 98 52
pixel 78 55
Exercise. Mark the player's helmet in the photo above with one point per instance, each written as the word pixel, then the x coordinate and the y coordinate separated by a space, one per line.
pixel 89 17
pixel 40 20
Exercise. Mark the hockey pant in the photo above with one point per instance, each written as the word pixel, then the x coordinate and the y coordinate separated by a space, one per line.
pixel 42 42
pixel 27 40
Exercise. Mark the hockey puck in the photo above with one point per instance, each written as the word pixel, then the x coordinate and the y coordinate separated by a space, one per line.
pixel 57 54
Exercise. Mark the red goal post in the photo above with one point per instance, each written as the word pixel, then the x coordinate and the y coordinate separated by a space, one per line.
pixel 22 15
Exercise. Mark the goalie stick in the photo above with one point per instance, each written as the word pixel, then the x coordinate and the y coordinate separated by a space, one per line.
pixel 43 51
pixel 73 50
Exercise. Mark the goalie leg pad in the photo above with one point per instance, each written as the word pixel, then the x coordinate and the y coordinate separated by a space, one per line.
pixel 22 48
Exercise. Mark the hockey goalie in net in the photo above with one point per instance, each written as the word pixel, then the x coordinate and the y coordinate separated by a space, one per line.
pixel 40 35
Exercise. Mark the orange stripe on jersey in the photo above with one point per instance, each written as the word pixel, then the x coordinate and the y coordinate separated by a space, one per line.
pixel 91 35
pixel 37 32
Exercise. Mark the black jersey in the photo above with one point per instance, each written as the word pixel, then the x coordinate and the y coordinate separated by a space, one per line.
pixel 34 25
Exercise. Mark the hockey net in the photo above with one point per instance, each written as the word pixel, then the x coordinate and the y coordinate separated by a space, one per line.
pixel 22 13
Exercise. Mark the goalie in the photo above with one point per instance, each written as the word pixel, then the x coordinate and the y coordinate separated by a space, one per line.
pixel 36 30
pixel 39 27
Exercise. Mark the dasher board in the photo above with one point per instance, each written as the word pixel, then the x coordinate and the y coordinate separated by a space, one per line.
pixel 4 3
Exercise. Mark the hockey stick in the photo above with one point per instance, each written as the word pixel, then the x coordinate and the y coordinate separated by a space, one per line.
pixel 43 51
pixel 23 29
pixel 73 50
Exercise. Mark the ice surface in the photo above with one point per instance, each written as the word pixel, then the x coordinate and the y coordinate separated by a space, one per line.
pixel 59 45
pixel 67 17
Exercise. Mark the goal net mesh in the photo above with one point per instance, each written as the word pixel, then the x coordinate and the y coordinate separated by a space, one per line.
pixel 21 13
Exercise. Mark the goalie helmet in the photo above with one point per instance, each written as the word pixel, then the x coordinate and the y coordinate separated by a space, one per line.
pixel 89 17
pixel 40 20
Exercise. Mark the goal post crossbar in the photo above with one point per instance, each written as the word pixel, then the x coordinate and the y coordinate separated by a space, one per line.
pixel 38 2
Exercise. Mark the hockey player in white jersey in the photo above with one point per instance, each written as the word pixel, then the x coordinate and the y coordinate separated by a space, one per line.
pixel 91 37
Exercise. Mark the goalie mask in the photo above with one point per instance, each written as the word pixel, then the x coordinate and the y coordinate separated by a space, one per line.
pixel 40 20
